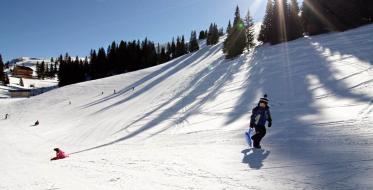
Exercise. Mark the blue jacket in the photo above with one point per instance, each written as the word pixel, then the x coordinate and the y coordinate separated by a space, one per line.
pixel 260 116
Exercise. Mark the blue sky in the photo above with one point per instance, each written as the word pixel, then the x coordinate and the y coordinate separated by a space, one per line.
pixel 45 28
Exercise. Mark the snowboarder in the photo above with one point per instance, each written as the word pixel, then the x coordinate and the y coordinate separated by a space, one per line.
pixel 59 154
pixel 115 92
pixel 259 117
pixel 133 88
pixel 6 116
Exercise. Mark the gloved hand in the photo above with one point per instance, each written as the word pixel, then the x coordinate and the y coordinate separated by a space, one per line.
pixel 269 124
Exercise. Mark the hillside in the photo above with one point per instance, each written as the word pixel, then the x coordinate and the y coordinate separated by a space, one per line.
pixel 180 125
pixel 27 62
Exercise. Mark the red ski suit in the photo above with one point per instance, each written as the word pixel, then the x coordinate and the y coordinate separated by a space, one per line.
pixel 60 155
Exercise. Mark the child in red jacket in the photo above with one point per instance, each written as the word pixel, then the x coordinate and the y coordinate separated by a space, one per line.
pixel 59 154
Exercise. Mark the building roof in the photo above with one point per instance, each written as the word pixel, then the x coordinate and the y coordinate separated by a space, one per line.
pixel 24 68
pixel 20 90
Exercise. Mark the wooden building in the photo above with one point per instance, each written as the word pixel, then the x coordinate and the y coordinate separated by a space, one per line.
pixel 22 72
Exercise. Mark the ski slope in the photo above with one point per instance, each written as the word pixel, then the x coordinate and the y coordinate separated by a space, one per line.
pixel 180 125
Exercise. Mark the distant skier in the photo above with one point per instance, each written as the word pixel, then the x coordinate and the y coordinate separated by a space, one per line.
pixel 259 117
pixel 102 93
pixel 36 123
pixel 59 154
pixel 133 88
pixel 115 92
pixel 6 116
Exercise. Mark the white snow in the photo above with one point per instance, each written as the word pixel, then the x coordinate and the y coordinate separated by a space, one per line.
pixel 182 126
pixel 36 83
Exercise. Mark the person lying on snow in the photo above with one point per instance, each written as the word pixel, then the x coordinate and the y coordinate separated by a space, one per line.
pixel 260 116
pixel 59 154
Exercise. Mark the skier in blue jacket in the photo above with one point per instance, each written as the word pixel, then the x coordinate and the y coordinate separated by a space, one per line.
pixel 259 117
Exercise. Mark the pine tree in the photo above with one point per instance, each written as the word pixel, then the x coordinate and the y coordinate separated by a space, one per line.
pixel 178 50
pixel 295 29
pixel 173 49
pixel 209 35
pixel 163 56
pixel 229 27
pixel 55 71
pixel 216 34
pixel 184 48
pixel 42 70
pixel 280 21
pixel 265 34
pixel 314 22
pixel 51 71
pixel 102 65
pixel 38 73
pixel 46 71
pixel 221 31
pixel 169 51
pixel 212 34
pixel 2 75
pixel 6 79
pixel 122 57
pixel 250 36
pixel 111 58
pixel 193 43
pixel 21 82
pixel 202 35
pixel 236 40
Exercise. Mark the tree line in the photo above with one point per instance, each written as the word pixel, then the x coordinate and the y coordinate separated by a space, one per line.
pixel 128 56
pixel 284 21
pixel 3 77
pixel 44 70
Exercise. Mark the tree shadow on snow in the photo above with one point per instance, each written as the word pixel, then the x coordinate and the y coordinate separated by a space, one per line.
pixel 203 87
pixel 171 69
pixel 288 86
pixel 291 98
pixel 357 43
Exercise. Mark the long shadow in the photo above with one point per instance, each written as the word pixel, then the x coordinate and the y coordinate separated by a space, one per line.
pixel 187 61
pixel 174 63
pixel 287 84
pixel 254 157
pixel 206 83
pixel 336 86
pixel 209 88
pixel 286 78
pixel 146 78
pixel 357 42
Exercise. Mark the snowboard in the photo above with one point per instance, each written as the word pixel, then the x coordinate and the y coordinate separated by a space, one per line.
pixel 248 135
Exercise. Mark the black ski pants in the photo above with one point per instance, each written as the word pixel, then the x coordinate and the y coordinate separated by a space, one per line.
pixel 260 132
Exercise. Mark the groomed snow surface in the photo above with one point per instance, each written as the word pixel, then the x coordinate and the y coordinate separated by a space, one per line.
pixel 182 125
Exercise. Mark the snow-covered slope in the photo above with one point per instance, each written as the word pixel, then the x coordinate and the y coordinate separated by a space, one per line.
pixel 180 125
